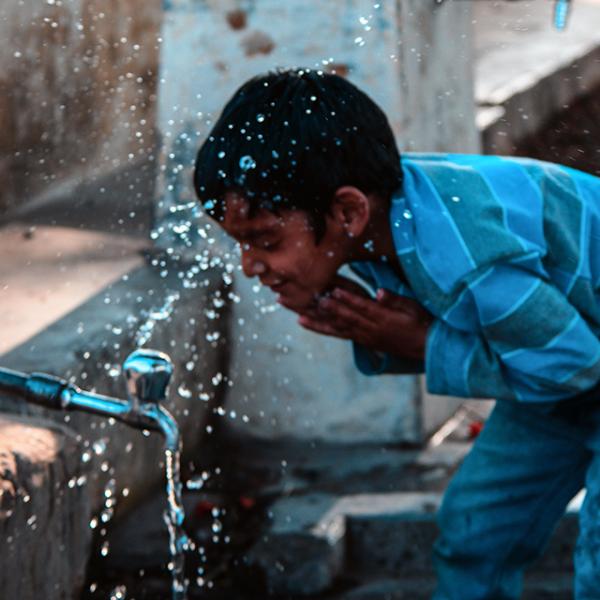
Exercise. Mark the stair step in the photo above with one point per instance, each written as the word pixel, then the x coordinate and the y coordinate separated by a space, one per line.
pixel 546 586
pixel 316 538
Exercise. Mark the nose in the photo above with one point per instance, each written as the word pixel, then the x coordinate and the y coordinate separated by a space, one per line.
pixel 251 266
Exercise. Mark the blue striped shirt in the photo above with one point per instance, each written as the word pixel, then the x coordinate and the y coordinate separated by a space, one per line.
pixel 505 253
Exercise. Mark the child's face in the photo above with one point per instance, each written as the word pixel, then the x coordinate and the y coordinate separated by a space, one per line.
pixel 281 250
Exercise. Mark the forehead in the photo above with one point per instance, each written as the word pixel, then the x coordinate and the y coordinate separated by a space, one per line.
pixel 237 222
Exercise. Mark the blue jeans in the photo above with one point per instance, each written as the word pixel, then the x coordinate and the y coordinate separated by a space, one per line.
pixel 505 500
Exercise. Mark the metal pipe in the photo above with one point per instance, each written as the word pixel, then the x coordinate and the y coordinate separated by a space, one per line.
pixel 147 373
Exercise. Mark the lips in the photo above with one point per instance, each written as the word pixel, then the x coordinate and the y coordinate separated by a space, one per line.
pixel 278 287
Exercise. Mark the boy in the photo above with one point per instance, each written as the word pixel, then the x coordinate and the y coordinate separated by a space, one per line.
pixel 487 277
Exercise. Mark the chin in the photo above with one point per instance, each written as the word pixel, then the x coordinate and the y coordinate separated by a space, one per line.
pixel 299 301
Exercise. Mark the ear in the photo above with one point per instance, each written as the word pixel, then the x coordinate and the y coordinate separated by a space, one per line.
pixel 351 210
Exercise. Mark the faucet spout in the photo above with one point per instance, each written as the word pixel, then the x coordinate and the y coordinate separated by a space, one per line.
pixel 162 420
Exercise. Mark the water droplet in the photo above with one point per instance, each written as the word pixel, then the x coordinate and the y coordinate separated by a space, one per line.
pixel 359 41
pixel 407 214
pixel 221 154
pixel 247 163
pixel 99 446
pixel 114 371
pixel 118 593
pixel 183 391
pixel 197 483
pixel 260 118
pixel 455 198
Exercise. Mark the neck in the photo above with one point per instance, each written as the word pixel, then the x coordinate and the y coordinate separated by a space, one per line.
pixel 376 243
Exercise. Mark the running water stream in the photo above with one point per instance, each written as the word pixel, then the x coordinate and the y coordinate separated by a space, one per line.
pixel 174 515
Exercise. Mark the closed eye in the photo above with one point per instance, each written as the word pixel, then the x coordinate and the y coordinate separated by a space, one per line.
pixel 268 244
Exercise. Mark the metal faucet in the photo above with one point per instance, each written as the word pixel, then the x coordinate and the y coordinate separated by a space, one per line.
pixel 147 374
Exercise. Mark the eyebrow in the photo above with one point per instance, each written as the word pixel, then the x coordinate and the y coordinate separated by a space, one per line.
pixel 252 235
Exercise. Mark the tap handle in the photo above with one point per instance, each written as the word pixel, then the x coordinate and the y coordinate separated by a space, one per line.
pixel 147 374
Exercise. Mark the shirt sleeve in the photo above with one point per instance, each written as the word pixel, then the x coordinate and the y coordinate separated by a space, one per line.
pixel 524 341
pixel 369 362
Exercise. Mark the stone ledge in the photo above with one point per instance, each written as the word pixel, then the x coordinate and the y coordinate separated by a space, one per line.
pixel 525 109
pixel 44 510
pixel 526 71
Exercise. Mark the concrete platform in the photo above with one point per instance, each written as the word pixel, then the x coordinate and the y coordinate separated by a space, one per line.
pixel 46 272
pixel 526 70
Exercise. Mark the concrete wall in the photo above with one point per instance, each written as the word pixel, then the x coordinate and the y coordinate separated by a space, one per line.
pixel 77 91
pixel 414 59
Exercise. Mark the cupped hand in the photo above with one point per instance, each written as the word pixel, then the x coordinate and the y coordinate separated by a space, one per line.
pixel 388 323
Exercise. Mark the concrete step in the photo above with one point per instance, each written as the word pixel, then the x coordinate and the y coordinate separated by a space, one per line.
pixel 317 539
pixel 396 532
pixel 553 586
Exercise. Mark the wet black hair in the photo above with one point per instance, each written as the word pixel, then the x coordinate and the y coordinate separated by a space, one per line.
pixel 290 138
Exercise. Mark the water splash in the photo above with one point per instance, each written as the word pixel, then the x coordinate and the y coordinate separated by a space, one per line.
pixel 146 329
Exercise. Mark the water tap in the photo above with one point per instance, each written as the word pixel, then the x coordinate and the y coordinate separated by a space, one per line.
pixel 147 374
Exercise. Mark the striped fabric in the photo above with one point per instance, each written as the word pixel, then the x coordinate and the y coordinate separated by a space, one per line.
pixel 505 253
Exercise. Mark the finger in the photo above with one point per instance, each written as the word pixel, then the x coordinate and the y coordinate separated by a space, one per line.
pixel 366 307
pixel 395 301
pixel 322 327
pixel 345 316
pixel 349 285
pixel 401 303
